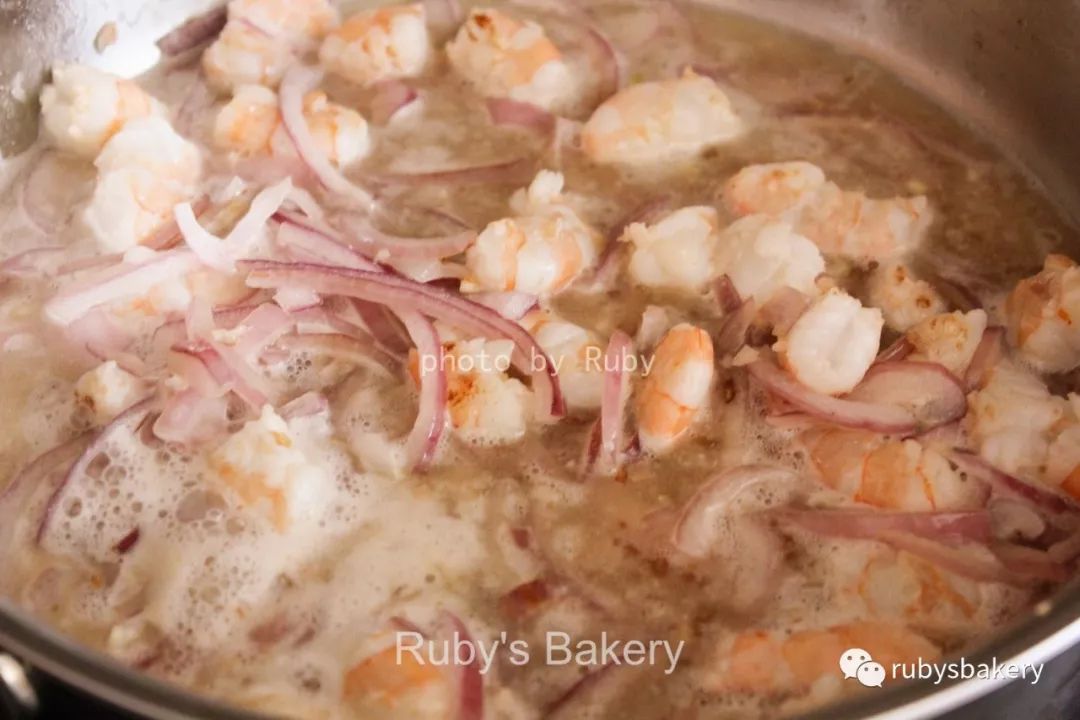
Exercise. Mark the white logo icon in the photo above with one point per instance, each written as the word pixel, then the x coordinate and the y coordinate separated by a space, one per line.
pixel 857 663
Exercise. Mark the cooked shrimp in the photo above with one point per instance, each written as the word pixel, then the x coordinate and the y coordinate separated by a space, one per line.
pixel 1012 419
pixel 505 57
pixel 245 55
pixel 659 121
pixel 840 222
pixel 949 339
pixel 539 253
pixel 904 299
pixel 174 295
pixel 675 251
pixel 832 345
pixel 772 188
pixel 676 388
pixel 266 469
pixel 771 662
pixel 896 586
pixel 144 171
pixel 382 681
pixel 762 255
pixel 894 474
pixel 1043 316
pixel 83 107
pixel 1063 456
pixel 380 44
pixel 576 353
pixel 293 20
pixel 108 390
pixel 251 124
pixel 485 404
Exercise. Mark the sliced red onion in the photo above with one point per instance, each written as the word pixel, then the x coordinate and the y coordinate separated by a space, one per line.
pixel 847 413
pixel 127 420
pixel 604 276
pixel 423 440
pixel 125 544
pixel 781 311
pixel 1015 519
pixel 262 327
pixel 92 262
pixel 566 134
pixel 384 327
pixel 1065 551
pixel 655 321
pixel 1029 562
pixel 508 172
pixel 504 111
pixel 198 365
pixel 246 381
pixel 611 65
pixel 342 347
pixel 466 681
pixel 168 235
pixel 38 469
pixel 927 390
pixel 298 81
pixel 375 243
pixel 391 97
pixel 190 418
pixel 269 169
pixel 403 294
pixel 320 243
pixel 524 599
pixel 862 524
pixel 987 354
pixel 897 351
pixel 955 294
pixel 1000 482
pixel 578 699
pixel 512 305
pixel 613 400
pixel 294 300
pixel 127 280
pixel 173 332
pixel 694 533
pixel 305 203
pixel 98 334
pixel 221 254
pixel 727 296
pixel 197 31
pixel 212 369
pixel 949 435
pixel 307 405
pixel 444 220
pixel 337 315
pixel 37 262
pixel 199 319
pixel 206 246
pixel 955 542
pixel 974 560
pixel 733 333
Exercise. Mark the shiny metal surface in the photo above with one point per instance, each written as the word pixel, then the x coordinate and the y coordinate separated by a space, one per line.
pixel 15 685
pixel 1007 66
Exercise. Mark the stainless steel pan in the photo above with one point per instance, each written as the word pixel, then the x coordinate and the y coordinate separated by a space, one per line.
pixel 1009 67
